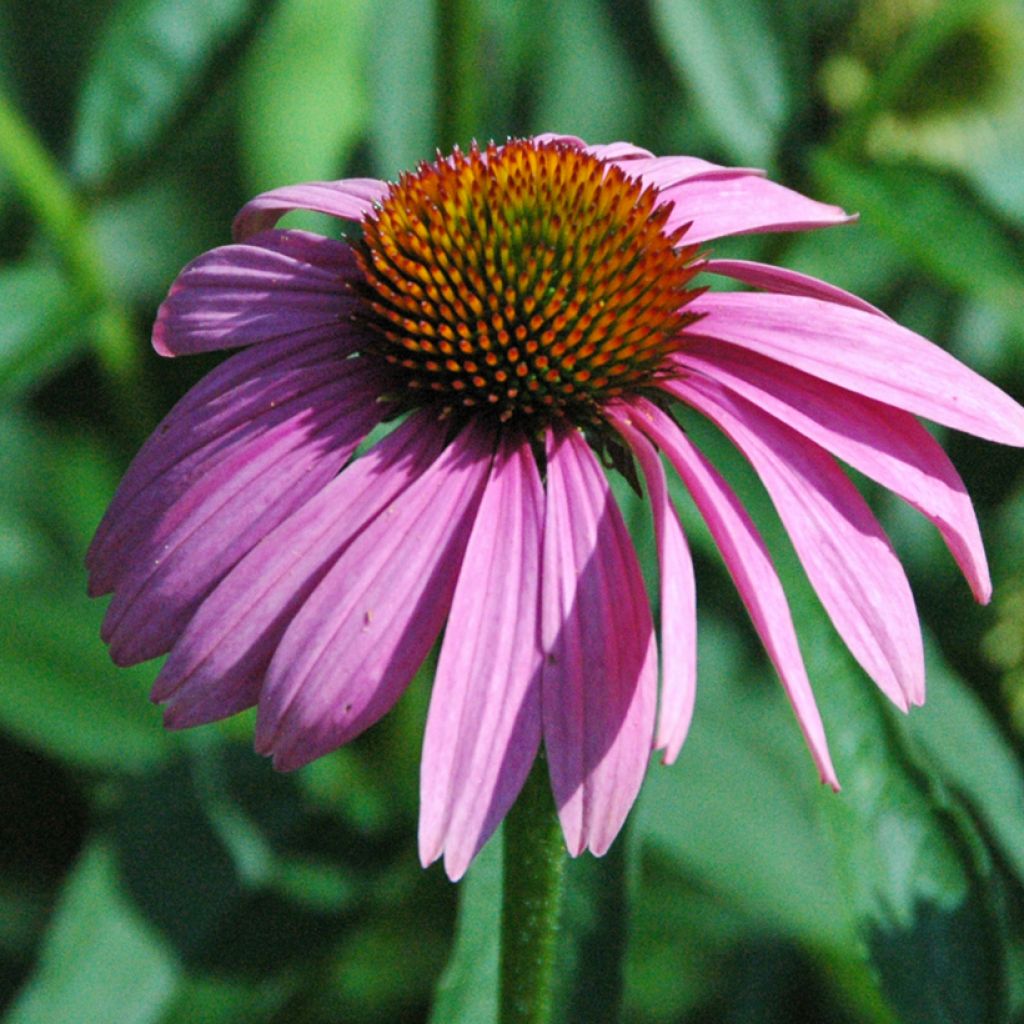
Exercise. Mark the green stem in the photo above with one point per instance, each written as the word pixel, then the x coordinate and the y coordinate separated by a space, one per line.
pixel 531 901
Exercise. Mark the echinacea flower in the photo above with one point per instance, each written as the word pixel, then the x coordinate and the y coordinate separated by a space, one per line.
pixel 524 313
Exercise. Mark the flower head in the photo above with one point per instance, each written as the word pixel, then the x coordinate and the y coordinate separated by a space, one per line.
pixel 515 314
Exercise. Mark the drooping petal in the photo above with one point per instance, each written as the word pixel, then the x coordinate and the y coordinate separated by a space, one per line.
pixel 714 207
pixel 750 565
pixel 678 599
pixel 223 407
pixel 840 544
pixel 483 728
pixel 886 444
pixel 277 284
pixel 788 282
pixel 356 642
pixel 599 677
pixel 864 353
pixel 217 666
pixel 663 172
pixel 183 550
pixel 349 199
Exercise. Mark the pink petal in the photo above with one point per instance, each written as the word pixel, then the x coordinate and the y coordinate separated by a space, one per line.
pixel 678 599
pixel 844 551
pixel 186 548
pixel 743 205
pixel 885 444
pixel 217 666
pixel 864 353
pixel 484 725
pixel 788 282
pixel 356 642
pixel 349 199
pixel 277 284
pixel 600 677
pixel 749 563
pixel 665 171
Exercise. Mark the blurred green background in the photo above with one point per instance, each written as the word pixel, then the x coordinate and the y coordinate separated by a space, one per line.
pixel 148 878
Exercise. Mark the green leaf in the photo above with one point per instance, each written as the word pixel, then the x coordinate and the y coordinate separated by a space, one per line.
pixel 154 60
pixel 912 867
pixel 303 92
pixel 468 990
pixel 41 325
pixel 936 224
pixel 60 692
pixel 735 69
pixel 403 86
pixel 101 961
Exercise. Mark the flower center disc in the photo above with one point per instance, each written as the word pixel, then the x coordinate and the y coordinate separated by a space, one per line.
pixel 532 281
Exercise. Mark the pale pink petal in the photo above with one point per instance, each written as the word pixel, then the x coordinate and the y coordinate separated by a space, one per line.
pixel 665 171
pixel 277 284
pixel 349 199
pixel 599 684
pixel 483 728
pixel 613 152
pixel 843 550
pixel 356 642
pixel 714 207
pixel 678 599
pixel 185 549
pixel 884 443
pixel 217 666
pixel 788 282
pixel 864 353
pixel 221 406
pixel 750 565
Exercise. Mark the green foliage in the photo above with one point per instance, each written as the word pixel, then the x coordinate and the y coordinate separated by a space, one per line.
pixel 153 877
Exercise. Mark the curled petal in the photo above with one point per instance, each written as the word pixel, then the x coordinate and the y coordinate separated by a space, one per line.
pixel 349 199
pixel 841 546
pixel 275 285
pixel 886 444
pixel 865 354
pixel 750 565
pixel 356 642
pixel 678 599
pixel 484 725
pixel 599 677
pixel 217 666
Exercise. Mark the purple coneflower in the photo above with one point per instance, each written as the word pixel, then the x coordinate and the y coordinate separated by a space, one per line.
pixel 522 313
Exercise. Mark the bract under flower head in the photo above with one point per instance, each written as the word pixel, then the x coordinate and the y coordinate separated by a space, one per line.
pixel 533 281
pixel 504 299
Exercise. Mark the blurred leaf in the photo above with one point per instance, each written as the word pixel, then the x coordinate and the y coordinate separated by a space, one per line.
pixel 100 961
pixel 60 692
pixel 910 864
pixel 468 990
pixel 303 92
pixel 586 85
pixel 41 325
pixel 923 213
pixel 734 67
pixel 403 86
pixel 152 62
pixel 707 814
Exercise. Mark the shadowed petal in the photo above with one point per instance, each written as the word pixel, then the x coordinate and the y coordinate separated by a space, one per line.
pixel 218 664
pixel 599 677
pixel 349 199
pixel 788 282
pixel 750 565
pixel 356 642
pixel 864 353
pixel 714 207
pixel 484 725
pixel 678 599
pixel 841 546
pixel 277 284
pixel 885 444
pixel 183 550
